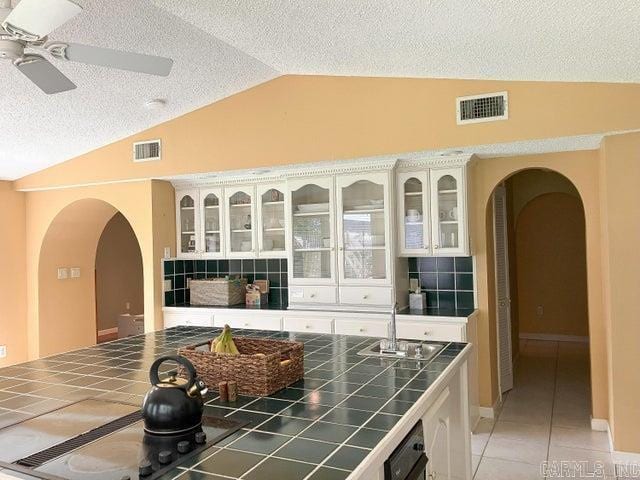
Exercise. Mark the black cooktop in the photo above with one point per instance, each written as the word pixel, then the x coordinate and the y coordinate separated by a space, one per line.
pixel 101 440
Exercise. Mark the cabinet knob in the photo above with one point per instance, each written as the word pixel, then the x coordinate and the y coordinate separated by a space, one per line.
pixel 307 326
pixel 246 324
pixel 363 330
pixel 364 297
pixel 427 333
pixel 341 249
pixel 312 295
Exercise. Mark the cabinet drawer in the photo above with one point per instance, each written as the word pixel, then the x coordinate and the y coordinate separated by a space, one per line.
pixel 365 328
pixel 367 296
pixel 312 294
pixel 193 319
pixel 309 324
pixel 261 322
pixel 431 331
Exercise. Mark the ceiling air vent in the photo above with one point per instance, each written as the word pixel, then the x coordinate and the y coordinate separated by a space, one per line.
pixel 488 107
pixel 146 151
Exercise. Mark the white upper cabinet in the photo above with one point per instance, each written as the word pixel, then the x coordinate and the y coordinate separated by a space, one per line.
pixel 448 211
pixel 414 214
pixel 272 220
pixel 312 238
pixel 364 229
pixel 240 221
pixel 188 223
pixel 211 225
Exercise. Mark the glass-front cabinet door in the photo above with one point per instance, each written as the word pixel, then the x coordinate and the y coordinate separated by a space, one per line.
pixel 271 221
pixel 211 223
pixel 240 222
pixel 447 211
pixel 414 235
pixel 188 223
pixel 312 247
pixel 364 249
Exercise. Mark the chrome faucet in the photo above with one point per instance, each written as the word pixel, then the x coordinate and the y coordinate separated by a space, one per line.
pixel 392 344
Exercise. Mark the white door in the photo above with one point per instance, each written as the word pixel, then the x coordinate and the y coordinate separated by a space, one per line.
pixel 448 207
pixel 364 229
pixel 240 221
pixel 211 223
pixel 503 300
pixel 188 224
pixel 414 233
pixel 312 238
pixel 272 221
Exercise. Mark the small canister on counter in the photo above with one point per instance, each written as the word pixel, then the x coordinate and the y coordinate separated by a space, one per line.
pixel 232 390
pixel 223 388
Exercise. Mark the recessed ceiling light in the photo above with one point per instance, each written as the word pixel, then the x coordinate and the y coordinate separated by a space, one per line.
pixel 155 104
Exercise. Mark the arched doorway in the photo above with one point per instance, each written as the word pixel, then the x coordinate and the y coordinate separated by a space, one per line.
pixel 119 281
pixel 66 276
pixel 536 244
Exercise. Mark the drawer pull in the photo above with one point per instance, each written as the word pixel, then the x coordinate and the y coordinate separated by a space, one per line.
pixel 312 295
pixel 364 297
pixel 307 326
pixel 427 333
pixel 363 330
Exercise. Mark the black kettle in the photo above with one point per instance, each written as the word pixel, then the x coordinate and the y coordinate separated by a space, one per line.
pixel 175 405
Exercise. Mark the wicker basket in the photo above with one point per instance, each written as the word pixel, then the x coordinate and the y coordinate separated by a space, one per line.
pixel 281 364
pixel 218 291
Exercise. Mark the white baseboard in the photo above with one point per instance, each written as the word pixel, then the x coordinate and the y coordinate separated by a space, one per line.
pixel 553 338
pixel 618 457
pixel 490 412
pixel 108 331
pixel 600 424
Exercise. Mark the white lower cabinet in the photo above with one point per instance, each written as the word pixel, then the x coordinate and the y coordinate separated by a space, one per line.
pixel 362 327
pixel 453 332
pixel 437 434
pixel 309 324
pixel 192 318
pixel 263 322
pixel 367 296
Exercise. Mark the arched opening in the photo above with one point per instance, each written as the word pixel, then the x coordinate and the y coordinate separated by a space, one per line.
pixel 537 279
pixel 67 275
pixel 119 282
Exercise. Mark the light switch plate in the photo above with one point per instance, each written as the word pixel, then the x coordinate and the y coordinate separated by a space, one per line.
pixel 75 272
pixel 3 351
pixel 63 273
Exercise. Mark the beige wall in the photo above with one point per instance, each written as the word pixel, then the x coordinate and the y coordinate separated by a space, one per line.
pixel 67 307
pixel 620 180
pixel 297 119
pixel 13 282
pixel 119 279
pixel 529 184
pixel 140 203
pixel 581 168
pixel 551 266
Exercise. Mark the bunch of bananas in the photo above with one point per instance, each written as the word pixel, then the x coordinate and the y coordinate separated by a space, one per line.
pixel 224 343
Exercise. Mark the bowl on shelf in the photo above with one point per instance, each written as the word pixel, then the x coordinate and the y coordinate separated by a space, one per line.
pixel 313 207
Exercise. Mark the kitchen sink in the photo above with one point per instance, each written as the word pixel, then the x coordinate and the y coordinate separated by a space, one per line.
pixel 427 351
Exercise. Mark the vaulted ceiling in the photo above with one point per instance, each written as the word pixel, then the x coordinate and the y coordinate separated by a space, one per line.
pixel 223 47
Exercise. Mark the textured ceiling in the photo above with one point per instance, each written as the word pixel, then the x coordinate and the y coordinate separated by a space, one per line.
pixel 38 130
pixel 226 46
pixel 573 40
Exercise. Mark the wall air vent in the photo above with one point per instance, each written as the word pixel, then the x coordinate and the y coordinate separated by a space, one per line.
pixel 146 151
pixel 487 107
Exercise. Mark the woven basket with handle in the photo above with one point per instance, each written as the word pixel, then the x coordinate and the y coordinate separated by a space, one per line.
pixel 262 368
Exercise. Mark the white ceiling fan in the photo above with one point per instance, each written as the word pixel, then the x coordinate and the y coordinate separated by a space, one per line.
pixel 25 29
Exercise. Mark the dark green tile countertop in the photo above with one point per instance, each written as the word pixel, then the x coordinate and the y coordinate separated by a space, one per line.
pixel 320 428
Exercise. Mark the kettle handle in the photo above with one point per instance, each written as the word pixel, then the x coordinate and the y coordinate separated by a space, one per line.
pixel 154 377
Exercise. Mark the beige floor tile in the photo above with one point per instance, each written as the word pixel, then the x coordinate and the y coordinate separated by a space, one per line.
pixel 521 432
pixel 580 460
pixel 584 438
pixel 530 413
pixel 480 435
pixel 496 469
pixel 475 461
pixel 524 451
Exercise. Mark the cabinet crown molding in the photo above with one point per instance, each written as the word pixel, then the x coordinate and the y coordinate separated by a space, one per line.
pixel 281 174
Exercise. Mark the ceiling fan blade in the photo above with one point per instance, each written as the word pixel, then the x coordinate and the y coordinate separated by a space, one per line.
pixel 35 19
pixel 44 75
pixel 106 57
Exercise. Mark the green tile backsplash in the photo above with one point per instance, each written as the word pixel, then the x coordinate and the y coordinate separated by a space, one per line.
pixel 447 281
pixel 274 270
